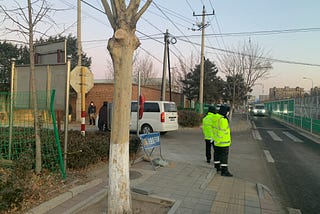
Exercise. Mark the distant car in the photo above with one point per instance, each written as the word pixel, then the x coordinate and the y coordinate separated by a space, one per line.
pixel 259 110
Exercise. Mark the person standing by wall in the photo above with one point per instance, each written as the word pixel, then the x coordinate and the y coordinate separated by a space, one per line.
pixel 92 110
pixel 222 141
pixel 208 123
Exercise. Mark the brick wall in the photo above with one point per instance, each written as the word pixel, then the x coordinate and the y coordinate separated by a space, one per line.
pixel 104 92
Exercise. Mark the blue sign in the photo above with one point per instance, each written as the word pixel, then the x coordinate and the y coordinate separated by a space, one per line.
pixel 151 140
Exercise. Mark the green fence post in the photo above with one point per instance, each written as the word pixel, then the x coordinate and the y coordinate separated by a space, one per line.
pixel 56 135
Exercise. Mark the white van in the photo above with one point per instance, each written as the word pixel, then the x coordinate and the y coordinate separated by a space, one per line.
pixel 158 116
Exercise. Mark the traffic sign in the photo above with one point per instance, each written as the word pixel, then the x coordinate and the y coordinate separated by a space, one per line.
pixel 75 79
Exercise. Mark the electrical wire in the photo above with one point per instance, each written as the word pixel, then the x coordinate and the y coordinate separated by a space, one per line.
pixel 173 23
pixel 267 58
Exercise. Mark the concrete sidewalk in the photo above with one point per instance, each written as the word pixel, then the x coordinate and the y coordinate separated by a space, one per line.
pixel 195 187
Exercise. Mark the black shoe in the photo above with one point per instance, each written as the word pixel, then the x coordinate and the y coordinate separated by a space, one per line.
pixel 208 161
pixel 226 174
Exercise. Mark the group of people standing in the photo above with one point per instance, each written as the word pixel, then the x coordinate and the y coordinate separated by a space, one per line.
pixel 216 131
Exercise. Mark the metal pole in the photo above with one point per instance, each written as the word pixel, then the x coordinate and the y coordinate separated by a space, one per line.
pixel 13 62
pixel 83 104
pixel 79 32
pixel 202 64
pixel 164 69
pixel 83 110
pixel 138 104
pixel 66 121
pixel 169 72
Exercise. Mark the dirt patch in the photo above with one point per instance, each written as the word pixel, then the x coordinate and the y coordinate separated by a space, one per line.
pixel 138 207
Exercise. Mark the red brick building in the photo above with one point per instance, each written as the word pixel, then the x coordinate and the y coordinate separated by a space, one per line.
pixel 102 92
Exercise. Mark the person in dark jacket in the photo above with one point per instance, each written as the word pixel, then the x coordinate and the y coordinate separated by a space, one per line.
pixel 103 117
pixel 92 110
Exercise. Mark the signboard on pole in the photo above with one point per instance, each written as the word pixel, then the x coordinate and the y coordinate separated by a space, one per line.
pixel 75 79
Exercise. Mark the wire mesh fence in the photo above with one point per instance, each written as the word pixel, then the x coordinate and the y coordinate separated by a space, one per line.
pixel 17 133
pixel 301 112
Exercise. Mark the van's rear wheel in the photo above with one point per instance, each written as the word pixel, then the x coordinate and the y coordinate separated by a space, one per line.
pixel 146 129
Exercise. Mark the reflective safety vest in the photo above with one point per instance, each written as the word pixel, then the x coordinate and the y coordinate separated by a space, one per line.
pixel 208 126
pixel 222 134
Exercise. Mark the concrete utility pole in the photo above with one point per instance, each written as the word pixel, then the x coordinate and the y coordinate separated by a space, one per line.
pixel 81 98
pixel 164 70
pixel 202 27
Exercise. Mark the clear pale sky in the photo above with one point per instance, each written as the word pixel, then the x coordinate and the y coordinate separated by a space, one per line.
pixel 230 17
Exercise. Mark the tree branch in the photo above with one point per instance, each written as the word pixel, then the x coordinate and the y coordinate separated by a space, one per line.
pixel 143 9
pixel 109 13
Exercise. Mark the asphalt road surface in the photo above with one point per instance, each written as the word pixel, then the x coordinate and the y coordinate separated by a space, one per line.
pixel 294 162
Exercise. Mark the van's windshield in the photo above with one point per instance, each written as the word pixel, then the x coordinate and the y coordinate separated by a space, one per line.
pixel 259 107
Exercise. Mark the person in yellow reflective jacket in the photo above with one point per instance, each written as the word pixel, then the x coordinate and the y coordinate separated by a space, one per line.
pixel 222 141
pixel 207 128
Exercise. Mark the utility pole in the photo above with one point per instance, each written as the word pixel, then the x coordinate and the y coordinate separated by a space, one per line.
pixel 83 81
pixel 164 70
pixel 202 27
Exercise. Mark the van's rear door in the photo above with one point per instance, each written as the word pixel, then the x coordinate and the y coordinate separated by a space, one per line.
pixel 171 115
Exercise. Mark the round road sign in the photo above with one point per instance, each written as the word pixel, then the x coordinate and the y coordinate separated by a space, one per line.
pixel 75 79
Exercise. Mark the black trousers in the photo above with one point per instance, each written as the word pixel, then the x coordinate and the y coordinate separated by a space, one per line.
pixel 221 155
pixel 208 150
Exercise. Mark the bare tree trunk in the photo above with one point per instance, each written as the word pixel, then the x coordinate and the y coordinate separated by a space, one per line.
pixel 34 93
pixel 121 46
pixel 119 183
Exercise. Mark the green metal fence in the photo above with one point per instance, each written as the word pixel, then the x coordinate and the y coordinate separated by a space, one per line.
pixel 17 134
pixel 301 112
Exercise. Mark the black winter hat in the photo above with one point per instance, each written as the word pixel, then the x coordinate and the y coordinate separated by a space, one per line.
pixel 224 110
pixel 212 109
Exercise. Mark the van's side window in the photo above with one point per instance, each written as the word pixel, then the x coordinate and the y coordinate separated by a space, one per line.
pixel 148 107
pixel 151 107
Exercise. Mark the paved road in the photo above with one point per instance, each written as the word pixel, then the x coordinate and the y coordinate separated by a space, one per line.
pixel 294 161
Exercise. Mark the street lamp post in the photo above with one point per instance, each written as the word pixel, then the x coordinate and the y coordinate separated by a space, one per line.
pixel 306 78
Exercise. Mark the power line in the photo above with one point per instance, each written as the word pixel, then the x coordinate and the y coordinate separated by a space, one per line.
pixel 172 22
pixel 267 58
pixel 263 32
pixel 189 5
pixel 174 13
pixel 150 54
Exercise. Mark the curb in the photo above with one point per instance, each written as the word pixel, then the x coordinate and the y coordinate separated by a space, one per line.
pixel 88 201
pixel 52 203
pixel 103 193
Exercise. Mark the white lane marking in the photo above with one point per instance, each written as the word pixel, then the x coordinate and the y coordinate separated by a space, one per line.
pixel 292 137
pixel 256 135
pixel 274 136
pixel 268 156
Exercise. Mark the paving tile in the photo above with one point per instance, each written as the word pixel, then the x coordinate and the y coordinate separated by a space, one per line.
pixel 235 209
pixel 252 203
pixel 219 208
pixel 267 205
pixel 202 208
pixel 252 210
pixel 269 211
pixel 184 211
pixel 205 202
pixel 188 204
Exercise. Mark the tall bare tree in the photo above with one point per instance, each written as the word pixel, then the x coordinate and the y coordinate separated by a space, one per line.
pixel 123 19
pixel 143 65
pixel 250 62
pixel 25 20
